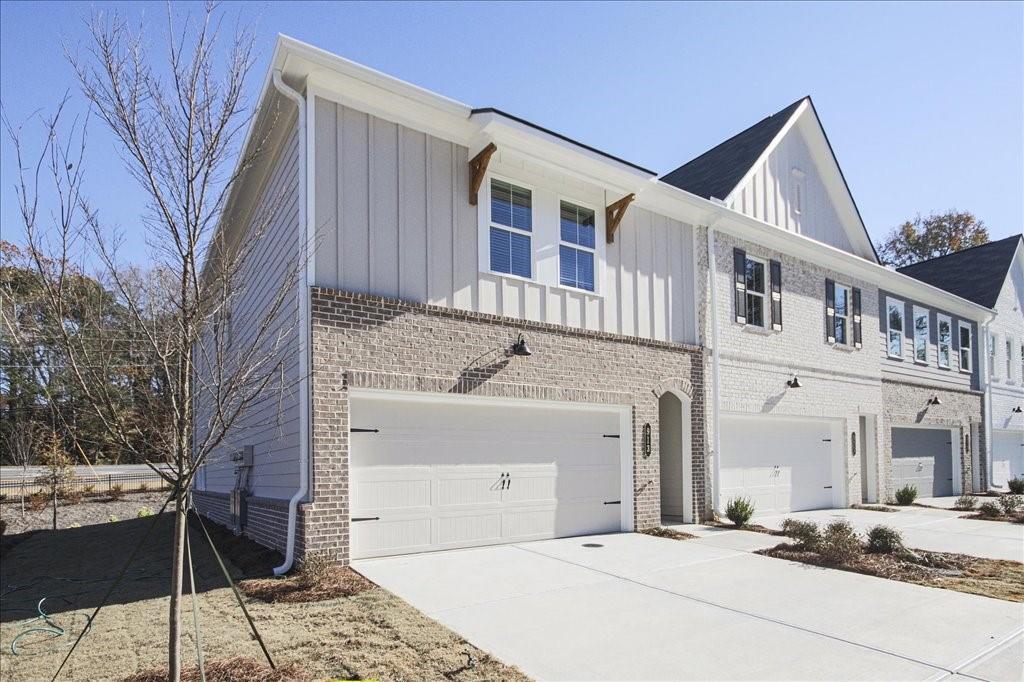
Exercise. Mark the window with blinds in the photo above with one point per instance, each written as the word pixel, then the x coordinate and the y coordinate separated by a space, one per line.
pixel 576 252
pixel 511 229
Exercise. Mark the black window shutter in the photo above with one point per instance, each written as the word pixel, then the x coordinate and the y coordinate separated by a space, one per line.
pixel 739 271
pixel 857 343
pixel 776 275
pixel 830 311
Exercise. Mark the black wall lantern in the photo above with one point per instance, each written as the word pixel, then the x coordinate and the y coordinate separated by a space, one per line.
pixel 645 441
pixel 1017 410
pixel 934 400
pixel 794 382
pixel 520 348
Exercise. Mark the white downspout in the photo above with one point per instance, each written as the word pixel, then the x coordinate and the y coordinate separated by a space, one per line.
pixel 716 438
pixel 303 294
pixel 985 382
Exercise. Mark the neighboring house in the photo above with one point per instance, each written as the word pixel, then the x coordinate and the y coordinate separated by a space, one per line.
pixel 992 275
pixel 504 334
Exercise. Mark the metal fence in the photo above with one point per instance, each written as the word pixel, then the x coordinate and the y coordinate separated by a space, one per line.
pixel 87 485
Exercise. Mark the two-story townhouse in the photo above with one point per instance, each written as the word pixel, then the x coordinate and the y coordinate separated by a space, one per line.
pixel 991 275
pixel 504 334
pixel 805 410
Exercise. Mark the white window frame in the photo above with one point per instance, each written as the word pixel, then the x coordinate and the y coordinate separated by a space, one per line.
pixel 939 319
pixel 763 295
pixel 578 247
pixel 848 316
pixel 970 347
pixel 991 350
pixel 484 200
pixel 889 302
pixel 917 311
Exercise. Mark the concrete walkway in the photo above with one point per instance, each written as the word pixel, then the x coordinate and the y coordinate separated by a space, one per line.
pixel 630 607
pixel 938 530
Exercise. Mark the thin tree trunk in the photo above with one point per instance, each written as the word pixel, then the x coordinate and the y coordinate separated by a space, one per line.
pixel 177 566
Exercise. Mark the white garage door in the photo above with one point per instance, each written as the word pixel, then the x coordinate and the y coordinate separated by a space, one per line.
pixel 781 464
pixel 1007 456
pixel 429 475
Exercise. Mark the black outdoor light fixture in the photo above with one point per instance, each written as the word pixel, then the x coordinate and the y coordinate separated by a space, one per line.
pixel 520 348
pixel 1018 410
pixel 794 382
pixel 934 400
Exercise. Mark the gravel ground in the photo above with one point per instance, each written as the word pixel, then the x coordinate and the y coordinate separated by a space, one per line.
pixel 82 514
pixel 371 635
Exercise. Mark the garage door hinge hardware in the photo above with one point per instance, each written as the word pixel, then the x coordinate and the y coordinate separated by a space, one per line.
pixel 615 502
pixel 610 435
pixel 826 440
pixel 365 430
pixel 365 518
pixel 827 487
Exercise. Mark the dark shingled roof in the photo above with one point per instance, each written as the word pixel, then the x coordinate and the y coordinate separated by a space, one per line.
pixel 717 171
pixel 976 274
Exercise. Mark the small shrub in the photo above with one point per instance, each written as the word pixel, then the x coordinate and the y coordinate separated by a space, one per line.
pixel 906 495
pixel 89 490
pixel 739 510
pixel 885 540
pixel 965 502
pixel 72 496
pixel 113 519
pixel 839 542
pixel 143 487
pixel 990 510
pixel 806 533
pixel 38 501
pixel 1010 503
pixel 144 512
pixel 116 492
pixel 1016 485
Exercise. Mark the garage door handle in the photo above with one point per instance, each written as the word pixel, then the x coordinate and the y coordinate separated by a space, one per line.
pixel 365 518
pixel 615 502
pixel 827 487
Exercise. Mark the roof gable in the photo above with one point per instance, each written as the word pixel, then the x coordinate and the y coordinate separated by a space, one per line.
pixel 976 274
pixel 725 172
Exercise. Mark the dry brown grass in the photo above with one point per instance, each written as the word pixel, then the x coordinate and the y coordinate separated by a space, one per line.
pixel 237 669
pixel 994 578
pixel 669 533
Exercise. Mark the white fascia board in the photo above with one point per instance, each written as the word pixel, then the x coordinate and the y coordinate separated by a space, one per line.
pixel 768 150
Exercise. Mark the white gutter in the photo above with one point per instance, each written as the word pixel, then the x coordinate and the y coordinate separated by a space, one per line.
pixel 985 383
pixel 715 431
pixel 303 295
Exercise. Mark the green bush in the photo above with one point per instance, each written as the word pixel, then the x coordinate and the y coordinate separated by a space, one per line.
pixel 806 533
pixel 1016 485
pixel 906 495
pixel 990 509
pixel 1010 503
pixel 739 510
pixel 885 540
pixel 144 512
pixel 965 502
pixel 839 542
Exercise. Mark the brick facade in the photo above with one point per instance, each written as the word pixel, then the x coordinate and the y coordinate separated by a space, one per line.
pixel 364 341
pixel 906 404
pixel 266 522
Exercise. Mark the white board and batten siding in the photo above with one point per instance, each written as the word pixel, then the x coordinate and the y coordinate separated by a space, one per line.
pixel 393 219
pixel 271 426
pixel 770 193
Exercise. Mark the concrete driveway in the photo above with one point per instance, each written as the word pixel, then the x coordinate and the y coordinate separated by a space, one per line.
pixel 634 607
pixel 938 530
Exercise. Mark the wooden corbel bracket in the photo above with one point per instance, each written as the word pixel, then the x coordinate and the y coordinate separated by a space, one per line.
pixel 613 216
pixel 477 168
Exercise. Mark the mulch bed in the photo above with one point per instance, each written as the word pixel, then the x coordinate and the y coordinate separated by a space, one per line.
pixel 1005 519
pixel 994 578
pixel 237 669
pixel 874 507
pixel 329 583
pixel 752 527
pixel 669 533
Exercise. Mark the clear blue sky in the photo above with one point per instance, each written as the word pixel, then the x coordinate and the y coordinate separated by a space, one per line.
pixel 923 103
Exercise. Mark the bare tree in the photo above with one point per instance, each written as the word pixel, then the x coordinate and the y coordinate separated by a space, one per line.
pixel 179 135
pixel 20 441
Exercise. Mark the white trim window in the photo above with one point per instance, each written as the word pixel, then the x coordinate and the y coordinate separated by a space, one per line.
pixel 966 347
pixel 511 229
pixel 921 334
pixel 756 275
pixel 944 338
pixel 843 314
pixel 894 315
pixel 577 250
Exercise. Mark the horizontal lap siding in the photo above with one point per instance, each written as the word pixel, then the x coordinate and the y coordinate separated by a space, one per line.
pixel 270 426
pixel 393 219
